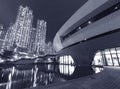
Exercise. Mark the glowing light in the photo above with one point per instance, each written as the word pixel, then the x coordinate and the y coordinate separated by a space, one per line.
pixel 66 65
pixel 89 22
pixel 16 56
pixel 1 61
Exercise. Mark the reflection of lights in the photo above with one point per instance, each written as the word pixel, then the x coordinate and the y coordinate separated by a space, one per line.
pixel 66 65
pixel 50 77
pixel 1 61
pixel 13 71
pixel 2 74
pixel 27 56
pixel 50 66
pixel 49 60
pixel 35 55
pixel 19 57
pixel 35 77
pixel 97 69
pixel 23 53
pixel 36 60
pixel 16 56
pixel 8 86
pixel 11 59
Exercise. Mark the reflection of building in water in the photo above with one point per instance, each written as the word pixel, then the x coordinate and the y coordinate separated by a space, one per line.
pixel 33 76
pixel 9 84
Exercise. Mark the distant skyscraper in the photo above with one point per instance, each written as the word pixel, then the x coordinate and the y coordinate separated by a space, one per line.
pixel 23 37
pixel 23 27
pixel 40 36
pixel 2 31
pixel 2 35
pixel 49 48
pixel 32 41
pixel 11 33
pixel 19 33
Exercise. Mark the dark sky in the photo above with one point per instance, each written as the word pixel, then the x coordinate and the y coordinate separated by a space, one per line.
pixel 55 12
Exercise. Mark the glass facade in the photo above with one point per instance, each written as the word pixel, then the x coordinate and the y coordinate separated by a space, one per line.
pixel 107 57
pixel 66 65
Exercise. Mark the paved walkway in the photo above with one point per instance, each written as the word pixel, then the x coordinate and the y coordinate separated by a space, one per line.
pixel 107 79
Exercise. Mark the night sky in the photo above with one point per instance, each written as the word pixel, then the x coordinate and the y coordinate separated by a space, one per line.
pixel 55 12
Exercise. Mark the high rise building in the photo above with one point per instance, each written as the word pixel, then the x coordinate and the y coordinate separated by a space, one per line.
pixel 2 31
pixel 23 26
pixel 49 48
pixel 23 37
pixel 2 35
pixel 40 36
pixel 32 41
pixel 19 33
pixel 10 37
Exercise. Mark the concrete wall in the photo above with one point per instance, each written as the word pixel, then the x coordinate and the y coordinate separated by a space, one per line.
pixel 106 24
pixel 83 53
pixel 88 10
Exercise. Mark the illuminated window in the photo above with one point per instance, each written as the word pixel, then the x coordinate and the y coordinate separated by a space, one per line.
pixel 114 57
pixel 108 57
pixel 98 61
pixel 66 65
pixel 118 53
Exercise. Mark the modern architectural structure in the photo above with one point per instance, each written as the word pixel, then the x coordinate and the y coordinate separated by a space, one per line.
pixel 2 31
pixel 40 36
pixel 32 44
pixel 49 49
pixel 2 35
pixel 107 57
pixel 93 29
pixel 19 33
pixel 10 38
pixel 24 36
pixel 23 27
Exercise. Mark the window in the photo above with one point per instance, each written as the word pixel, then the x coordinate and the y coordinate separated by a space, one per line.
pixel 114 56
pixel 107 57
pixel 98 61
pixel 66 65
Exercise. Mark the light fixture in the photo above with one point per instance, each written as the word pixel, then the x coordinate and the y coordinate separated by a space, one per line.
pixel 116 8
pixel 89 22
pixel 79 27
